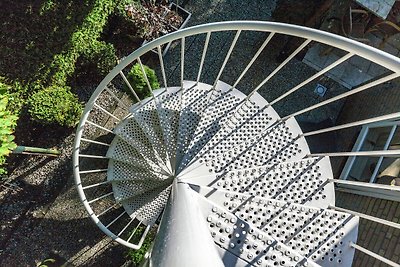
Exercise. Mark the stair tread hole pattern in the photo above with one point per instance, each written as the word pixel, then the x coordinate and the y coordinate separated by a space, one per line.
pixel 296 183
pixel 193 104
pixel 131 132
pixel 127 189
pixel 249 121
pixel 147 117
pixel 169 118
pixel 123 151
pixel 216 114
pixel 247 242
pixel 147 207
pixel 275 146
pixel 304 229
pixel 121 171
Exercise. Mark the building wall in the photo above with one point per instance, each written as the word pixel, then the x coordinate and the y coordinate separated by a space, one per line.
pixel 381 239
pixel 381 100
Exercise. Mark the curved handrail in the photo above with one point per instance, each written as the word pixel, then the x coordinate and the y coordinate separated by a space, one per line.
pixel 384 59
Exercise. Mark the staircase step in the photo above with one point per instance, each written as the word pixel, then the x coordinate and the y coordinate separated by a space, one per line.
pixel 223 102
pixel 250 120
pixel 130 131
pixel 148 206
pixel 194 101
pixel 122 151
pixel 170 108
pixel 121 171
pixel 246 241
pixel 277 144
pixel 321 235
pixel 303 182
pixel 124 190
pixel 148 118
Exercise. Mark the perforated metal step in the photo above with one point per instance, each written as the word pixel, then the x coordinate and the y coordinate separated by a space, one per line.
pixel 194 102
pixel 263 203
pixel 122 151
pixel 321 235
pixel 221 104
pixel 170 104
pixel 304 182
pixel 246 241
pixel 148 118
pixel 147 206
pixel 251 118
pixel 279 143
pixel 121 171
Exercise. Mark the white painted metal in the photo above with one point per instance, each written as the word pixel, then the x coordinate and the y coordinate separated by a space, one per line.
pixel 344 95
pixel 385 147
pixel 357 123
pixel 376 256
pixel 236 145
pixel 318 74
pixel 306 230
pixel 182 232
pixel 368 217
pixel 259 51
pixel 277 69
pixel 129 86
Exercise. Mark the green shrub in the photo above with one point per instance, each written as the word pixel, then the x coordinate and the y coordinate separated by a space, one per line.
pixel 138 82
pixel 55 105
pixel 102 55
pixel 83 41
pixel 137 256
pixel 7 125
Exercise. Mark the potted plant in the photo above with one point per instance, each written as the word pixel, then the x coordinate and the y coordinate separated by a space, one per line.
pixel 153 20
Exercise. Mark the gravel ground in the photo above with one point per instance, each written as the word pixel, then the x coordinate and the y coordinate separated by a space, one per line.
pixel 42 216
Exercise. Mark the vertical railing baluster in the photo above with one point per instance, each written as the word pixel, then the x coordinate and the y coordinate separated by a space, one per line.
pixel 374 255
pixel 344 95
pixel 182 60
pixel 353 124
pixel 203 56
pixel 107 112
pixel 318 74
pixel 129 86
pixel 117 99
pixel 254 58
pixel 272 74
pixel 145 77
pixel 227 57
pixel 160 58
pixel 385 147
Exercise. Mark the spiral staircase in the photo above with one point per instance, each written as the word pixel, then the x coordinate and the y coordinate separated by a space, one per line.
pixel 219 175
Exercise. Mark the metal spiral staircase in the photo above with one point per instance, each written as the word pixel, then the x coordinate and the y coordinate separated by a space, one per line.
pixel 222 176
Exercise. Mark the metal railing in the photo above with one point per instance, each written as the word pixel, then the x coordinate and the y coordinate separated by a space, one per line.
pixel 83 140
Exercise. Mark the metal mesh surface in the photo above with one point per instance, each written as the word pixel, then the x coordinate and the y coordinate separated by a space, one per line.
pixel 315 233
pixel 262 202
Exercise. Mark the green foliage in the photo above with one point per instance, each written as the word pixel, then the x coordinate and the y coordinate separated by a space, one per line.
pixel 7 125
pixel 55 105
pixel 83 41
pixel 102 55
pixel 137 256
pixel 138 82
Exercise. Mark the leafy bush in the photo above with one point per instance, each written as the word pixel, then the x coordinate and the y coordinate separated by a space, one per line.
pixel 82 42
pixel 7 125
pixel 103 55
pixel 137 256
pixel 55 105
pixel 138 82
